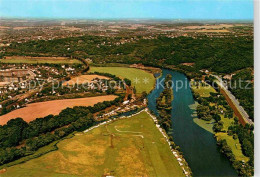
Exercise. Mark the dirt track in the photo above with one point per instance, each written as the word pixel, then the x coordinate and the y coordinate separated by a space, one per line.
pixel 42 109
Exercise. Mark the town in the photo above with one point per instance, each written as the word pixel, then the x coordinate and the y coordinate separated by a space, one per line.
pixel 126 97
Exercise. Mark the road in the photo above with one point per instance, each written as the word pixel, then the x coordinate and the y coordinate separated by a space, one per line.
pixel 234 100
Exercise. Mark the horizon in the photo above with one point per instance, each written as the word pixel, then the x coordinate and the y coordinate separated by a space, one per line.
pixel 230 10
pixel 124 19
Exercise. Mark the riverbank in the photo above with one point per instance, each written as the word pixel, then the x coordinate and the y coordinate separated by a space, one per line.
pixel 129 146
pixel 181 160
pixel 221 121
pixel 198 146
pixel 176 153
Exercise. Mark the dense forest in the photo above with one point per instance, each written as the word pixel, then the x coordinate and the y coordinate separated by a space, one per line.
pixel 221 55
pixel 242 87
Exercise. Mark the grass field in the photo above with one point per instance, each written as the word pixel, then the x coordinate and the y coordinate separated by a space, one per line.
pixel 227 122
pixel 234 145
pixel 137 76
pixel 207 125
pixel 41 61
pixel 126 147
pixel 204 91
pixel 41 151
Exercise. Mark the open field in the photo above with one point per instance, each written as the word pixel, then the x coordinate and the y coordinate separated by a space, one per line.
pixel 227 122
pixel 36 60
pixel 126 147
pixel 142 80
pixel 216 26
pixel 83 79
pixel 234 145
pixel 204 91
pixel 42 109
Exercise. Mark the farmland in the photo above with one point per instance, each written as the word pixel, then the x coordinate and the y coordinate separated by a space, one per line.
pixel 39 60
pixel 84 79
pixel 126 147
pixel 141 80
pixel 42 109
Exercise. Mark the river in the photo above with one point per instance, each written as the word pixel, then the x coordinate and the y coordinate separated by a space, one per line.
pixel 198 145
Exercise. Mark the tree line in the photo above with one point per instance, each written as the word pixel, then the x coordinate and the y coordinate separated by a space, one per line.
pixel 163 104
pixel 42 131
pixel 244 134
pixel 221 55
pixel 246 139
pixel 242 87
pixel 115 78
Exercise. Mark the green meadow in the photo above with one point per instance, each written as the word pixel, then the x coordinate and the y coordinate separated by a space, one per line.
pixel 125 147
pixel 141 80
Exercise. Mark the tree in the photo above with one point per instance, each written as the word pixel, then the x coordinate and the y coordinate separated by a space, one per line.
pixel 127 81
pixel 129 97
pixel 144 94
pixel 218 126
pixel 134 90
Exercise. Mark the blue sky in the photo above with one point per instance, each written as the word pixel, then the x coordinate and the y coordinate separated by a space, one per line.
pixel 114 9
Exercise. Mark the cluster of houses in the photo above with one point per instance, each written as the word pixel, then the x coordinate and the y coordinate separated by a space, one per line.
pixel 139 66
pixel 125 108
pixel 110 120
pixel 22 34
pixel 13 79
pixel 120 42
pixel 226 77
pixel 94 84
pixel 98 83
pixel 21 78
pixel 15 75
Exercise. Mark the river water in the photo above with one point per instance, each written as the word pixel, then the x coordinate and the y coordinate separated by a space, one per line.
pixel 198 145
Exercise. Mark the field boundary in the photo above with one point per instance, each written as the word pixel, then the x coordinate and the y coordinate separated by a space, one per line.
pixel 52 147
pixel 111 120
pixel 174 152
pixel 177 155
